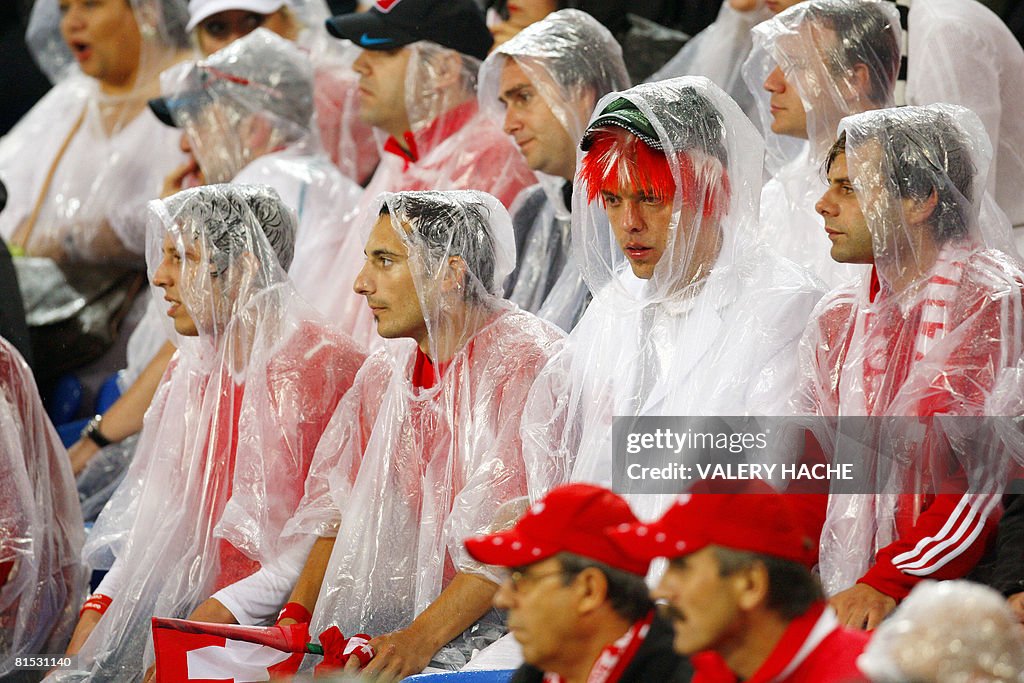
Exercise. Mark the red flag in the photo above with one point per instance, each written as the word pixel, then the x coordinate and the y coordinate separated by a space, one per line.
pixel 198 652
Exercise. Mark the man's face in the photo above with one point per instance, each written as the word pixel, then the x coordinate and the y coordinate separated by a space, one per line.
pixel 787 109
pixel 641 222
pixel 195 175
pixel 388 285
pixel 541 137
pixel 704 605
pixel 541 612
pixel 845 223
pixel 222 139
pixel 103 37
pixel 382 88
pixel 174 275
pixel 223 28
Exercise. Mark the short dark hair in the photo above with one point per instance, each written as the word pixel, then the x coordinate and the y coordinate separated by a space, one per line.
pixel 925 154
pixel 838 147
pixel 792 588
pixel 865 35
pixel 223 216
pixel 449 228
pixel 627 592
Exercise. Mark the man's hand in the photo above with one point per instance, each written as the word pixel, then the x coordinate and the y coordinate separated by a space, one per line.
pixel 399 654
pixel 81 453
pixel 862 606
pixel 212 612
pixel 1016 603
pixel 181 178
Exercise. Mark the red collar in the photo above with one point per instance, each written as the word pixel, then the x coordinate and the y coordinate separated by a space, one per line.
pixel 423 374
pixel 875 286
pixel 428 137
pixel 711 667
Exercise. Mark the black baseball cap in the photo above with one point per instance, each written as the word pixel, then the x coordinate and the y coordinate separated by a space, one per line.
pixel 456 24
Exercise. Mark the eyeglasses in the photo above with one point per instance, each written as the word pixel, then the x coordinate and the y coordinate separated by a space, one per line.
pixel 518 580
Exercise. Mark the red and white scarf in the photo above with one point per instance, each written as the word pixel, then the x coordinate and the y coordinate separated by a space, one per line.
pixel 884 318
pixel 614 658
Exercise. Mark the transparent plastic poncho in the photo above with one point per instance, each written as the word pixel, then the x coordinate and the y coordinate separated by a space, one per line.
pixel 458 147
pixel 80 166
pixel 405 473
pixel 948 632
pixel 924 340
pixel 571 60
pixel 964 54
pixel 348 140
pixel 842 57
pixel 248 111
pixel 230 433
pixel 718 53
pixel 713 331
pixel 41 577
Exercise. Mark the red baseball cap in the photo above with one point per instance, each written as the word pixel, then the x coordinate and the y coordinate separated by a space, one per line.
pixel 574 518
pixel 760 523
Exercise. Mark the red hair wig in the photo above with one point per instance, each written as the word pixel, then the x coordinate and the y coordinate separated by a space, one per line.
pixel 617 158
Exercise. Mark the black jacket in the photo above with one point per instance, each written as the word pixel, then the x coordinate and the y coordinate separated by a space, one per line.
pixel 1008 569
pixel 655 660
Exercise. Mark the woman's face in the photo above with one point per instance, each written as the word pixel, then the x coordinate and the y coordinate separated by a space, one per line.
pixel 104 38
pixel 223 28
pixel 526 12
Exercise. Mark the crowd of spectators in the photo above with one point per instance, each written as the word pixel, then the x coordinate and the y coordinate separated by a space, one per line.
pixel 335 317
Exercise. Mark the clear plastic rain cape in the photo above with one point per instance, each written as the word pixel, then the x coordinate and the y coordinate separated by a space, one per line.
pixel 571 61
pixel 248 111
pixel 714 329
pixel 405 472
pixel 834 78
pixel 718 52
pixel 923 341
pixel 347 139
pixel 229 436
pixel 41 576
pixel 948 631
pixel 962 53
pixel 456 147
pixel 80 166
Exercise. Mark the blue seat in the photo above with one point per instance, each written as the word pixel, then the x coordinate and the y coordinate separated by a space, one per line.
pixel 70 432
pixel 65 399
pixel 463 677
pixel 108 393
